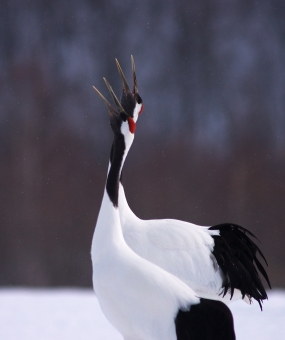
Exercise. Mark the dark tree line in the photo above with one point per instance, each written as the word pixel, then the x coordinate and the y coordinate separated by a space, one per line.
pixel 209 147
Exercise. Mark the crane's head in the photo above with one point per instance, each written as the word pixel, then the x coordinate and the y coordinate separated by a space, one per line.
pixel 131 100
pixel 130 106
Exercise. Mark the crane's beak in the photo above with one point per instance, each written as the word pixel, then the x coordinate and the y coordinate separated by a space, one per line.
pixel 135 84
pixel 126 87
pixel 125 83
pixel 116 100
pixel 110 108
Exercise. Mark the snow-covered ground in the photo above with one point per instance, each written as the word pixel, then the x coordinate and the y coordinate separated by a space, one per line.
pixel 47 314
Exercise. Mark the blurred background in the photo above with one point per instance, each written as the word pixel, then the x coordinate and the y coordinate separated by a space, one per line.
pixel 209 146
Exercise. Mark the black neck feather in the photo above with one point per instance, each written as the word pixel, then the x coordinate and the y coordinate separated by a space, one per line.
pixel 116 158
pixel 111 156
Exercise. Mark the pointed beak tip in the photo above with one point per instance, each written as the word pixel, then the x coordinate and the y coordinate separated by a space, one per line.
pixel 125 83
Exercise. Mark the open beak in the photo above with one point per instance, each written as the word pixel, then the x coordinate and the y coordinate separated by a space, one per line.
pixel 125 83
pixel 116 100
pixel 126 87
pixel 110 108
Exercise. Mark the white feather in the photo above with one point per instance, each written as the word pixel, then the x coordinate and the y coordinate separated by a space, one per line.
pixel 181 248
pixel 140 299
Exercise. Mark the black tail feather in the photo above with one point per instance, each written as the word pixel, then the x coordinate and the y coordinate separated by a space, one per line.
pixel 236 254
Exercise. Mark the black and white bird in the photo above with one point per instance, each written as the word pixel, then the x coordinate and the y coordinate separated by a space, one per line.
pixel 141 300
pixel 218 262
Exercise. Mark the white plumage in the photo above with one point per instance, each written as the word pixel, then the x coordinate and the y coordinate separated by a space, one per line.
pixel 140 299
pixel 181 248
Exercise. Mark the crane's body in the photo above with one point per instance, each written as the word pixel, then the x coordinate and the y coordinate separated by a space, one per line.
pixel 181 248
pixel 218 262
pixel 140 299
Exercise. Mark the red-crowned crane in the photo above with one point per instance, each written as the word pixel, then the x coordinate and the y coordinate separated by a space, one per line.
pixel 140 299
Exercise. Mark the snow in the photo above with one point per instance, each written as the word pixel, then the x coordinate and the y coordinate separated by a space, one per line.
pixel 45 314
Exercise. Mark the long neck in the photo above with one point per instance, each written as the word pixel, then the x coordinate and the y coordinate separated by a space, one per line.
pixel 114 155
pixel 108 227
pixel 127 216
pixel 120 148
pixel 118 155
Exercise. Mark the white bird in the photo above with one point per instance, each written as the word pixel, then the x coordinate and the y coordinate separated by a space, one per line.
pixel 218 262
pixel 141 300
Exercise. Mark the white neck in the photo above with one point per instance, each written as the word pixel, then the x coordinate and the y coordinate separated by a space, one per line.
pixel 125 211
pixel 108 230
pixel 137 111
pixel 126 214
pixel 129 138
